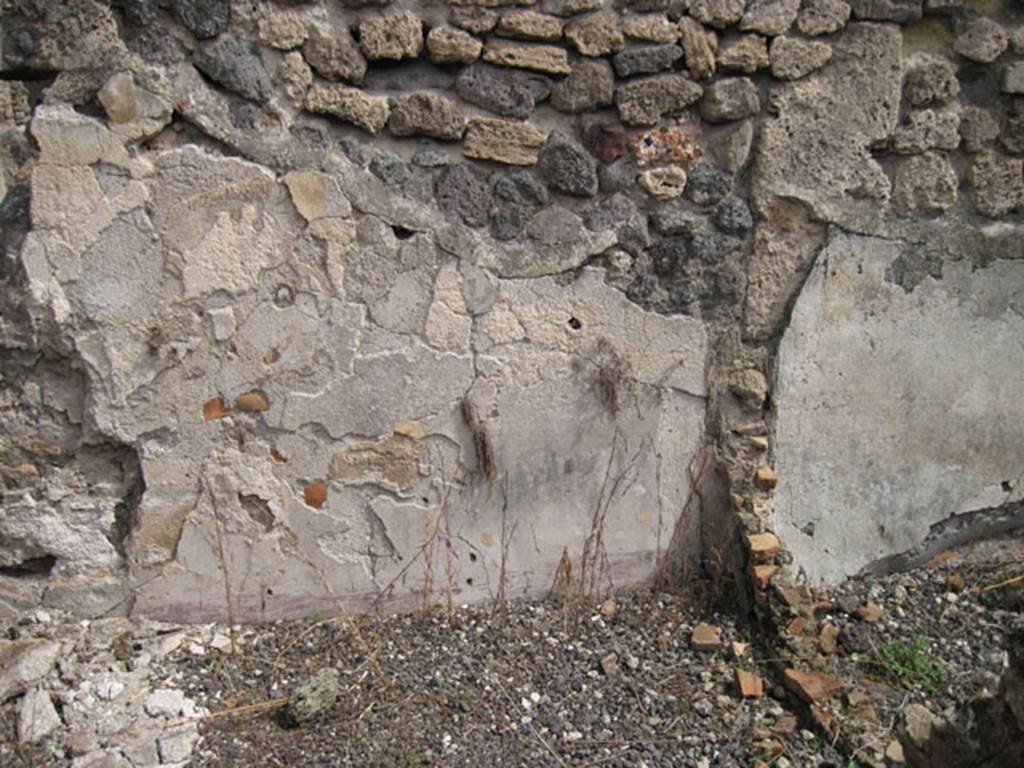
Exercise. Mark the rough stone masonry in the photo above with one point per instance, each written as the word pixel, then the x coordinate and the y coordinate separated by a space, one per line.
pixel 329 305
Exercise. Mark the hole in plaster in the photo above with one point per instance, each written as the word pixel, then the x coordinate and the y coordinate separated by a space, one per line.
pixel 91 109
pixel 1006 486
pixel 424 499
pixel 30 74
pixel 469 582
pixel 126 510
pixel 284 296
pixel 401 233
pixel 472 557
pixel 258 510
pixel 575 324
pixel 270 591
pixel 33 568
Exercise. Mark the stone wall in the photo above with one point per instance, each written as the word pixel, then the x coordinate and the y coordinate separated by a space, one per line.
pixel 329 305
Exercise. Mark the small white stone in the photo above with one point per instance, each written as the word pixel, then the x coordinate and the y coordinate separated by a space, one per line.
pixel 37 717
pixel 223 322
pixel 118 97
pixel 165 644
pixel 177 744
pixel 664 183
pixel 109 688
pixel 164 702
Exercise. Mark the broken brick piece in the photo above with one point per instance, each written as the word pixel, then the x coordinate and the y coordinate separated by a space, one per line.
pixel 608 608
pixel 763 575
pixel 706 637
pixel 610 664
pixel 763 546
pixel 766 478
pixel 870 612
pixel 810 686
pixel 214 409
pixel 828 638
pixel 825 719
pixel 316 495
pixel 797 626
pixel 786 724
pixel 252 402
pixel 749 685
pixel 942 557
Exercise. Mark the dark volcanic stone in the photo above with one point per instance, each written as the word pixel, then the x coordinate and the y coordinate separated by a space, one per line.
pixel 646 60
pixel 461 192
pixel 138 13
pixel 707 185
pixel 617 176
pixel 428 155
pixel 567 167
pixel 355 150
pixel 713 247
pixel 667 255
pixel 641 289
pixel 517 197
pixel 684 293
pixel 673 220
pixel 389 168
pixel 1012 136
pixel 235 64
pixel 590 85
pixel 733 216
pixel 887 10
pixel 19 46
pixel 620 214
pixel 204 18
pixel 502 91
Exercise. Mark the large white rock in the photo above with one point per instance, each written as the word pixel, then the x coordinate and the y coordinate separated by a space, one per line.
pixel 896 408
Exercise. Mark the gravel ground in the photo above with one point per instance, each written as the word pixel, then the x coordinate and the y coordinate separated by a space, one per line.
pixel 613 684
pixel 531 685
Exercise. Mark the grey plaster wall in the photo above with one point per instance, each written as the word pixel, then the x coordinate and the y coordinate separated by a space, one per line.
pixel 896 409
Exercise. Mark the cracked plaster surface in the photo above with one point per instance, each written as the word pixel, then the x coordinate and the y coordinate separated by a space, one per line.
pixel 895 409
pixel 181 276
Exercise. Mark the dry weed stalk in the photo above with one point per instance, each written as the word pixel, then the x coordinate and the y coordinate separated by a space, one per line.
pixel 594 557
pixel 508 532
pixel 440 533
pixel 218 525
